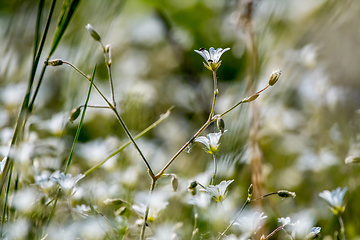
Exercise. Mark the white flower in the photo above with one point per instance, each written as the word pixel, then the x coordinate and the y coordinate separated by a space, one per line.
pixel 67 183
pixel 211 142
pixel 158 201
pixel 284 221
pixel 45 181
pixel 313 233
pixel 219 192
pixel 249 225
pixel 335 199
pixel 212 57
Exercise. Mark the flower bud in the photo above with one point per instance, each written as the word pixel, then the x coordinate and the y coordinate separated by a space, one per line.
pixel 286 194
pixel 93 33
pixel 221 125
pixel 274 77
pixel 250 191
pixel 74 114
pixel 251 98
pixel 174 182
pixel 351 159
pixel 192 185
pixel 56 62
pixel 116 201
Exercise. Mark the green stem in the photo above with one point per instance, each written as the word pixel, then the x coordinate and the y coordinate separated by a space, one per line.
pixel 142 233
pixel 342 227
pixel 215 169
pixel 195 229
pixel 216 91
pixel 237 215
pixel 6 203
pixel 121 121
pixel 81 122
pixel 273 232
pixel 162 117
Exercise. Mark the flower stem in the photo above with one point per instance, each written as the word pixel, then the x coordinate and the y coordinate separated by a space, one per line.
pixel 121 121
pixel 216 91
pixel 273 232
pixel 195 229
pixel 233 221
pixel 215 169
pixel 342 227
pixel 142 233
pixel 162 117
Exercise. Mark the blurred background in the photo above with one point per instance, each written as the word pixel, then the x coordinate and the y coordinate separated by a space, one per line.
pixel 305 126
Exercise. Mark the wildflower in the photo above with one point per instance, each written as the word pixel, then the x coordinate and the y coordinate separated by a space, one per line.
pixel 284 221
pixel 335 199
pixel 219 192
pixel 45 181
pixel 274 77
pixel 249 225
pixel 313 233
pixel 211 142
pixel 212 57
pixel 67 183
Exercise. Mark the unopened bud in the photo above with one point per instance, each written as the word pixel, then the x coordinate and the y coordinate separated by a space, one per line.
pixel 192 185
pixel 352 159
pixel 221 125
pixel 93 33
pixel 174 183
pixel 250 191
pixel 56 62
pixel 74 114
pixel 274 77
pixel 251 98
pixel 286 194
pixel 116 201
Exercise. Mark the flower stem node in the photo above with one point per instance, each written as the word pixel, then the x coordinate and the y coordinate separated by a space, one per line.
pixel 56 62
pixel 212 57
pixel 352 159
pixel 93 33
pixel 74 114
pixel 250 192
pixel 274 77
pixel 286 194
pixel 251 98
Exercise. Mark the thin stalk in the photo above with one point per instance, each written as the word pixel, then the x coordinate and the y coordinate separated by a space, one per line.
pixel 80 124
pixel 273 232
pixel 195 229
pixel 215 169
pixel 162 171
pixel 121 121
pixel 342 227
pixel 142 233
pixel 237 215
pixel 162 117
pixel 6 203
pixel 52 212
pixel 216 91
pixel 38 54
pixel 38 24
pixel 108 62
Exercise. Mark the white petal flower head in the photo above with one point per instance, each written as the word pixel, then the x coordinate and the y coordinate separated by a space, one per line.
pixel 335 199
pixel 284 221
pixel 251 224
pixel 219 192
pixel 211 142
pixel 212 57
pixel 67 183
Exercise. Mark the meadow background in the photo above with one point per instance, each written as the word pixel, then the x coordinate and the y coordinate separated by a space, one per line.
pixel 308 123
